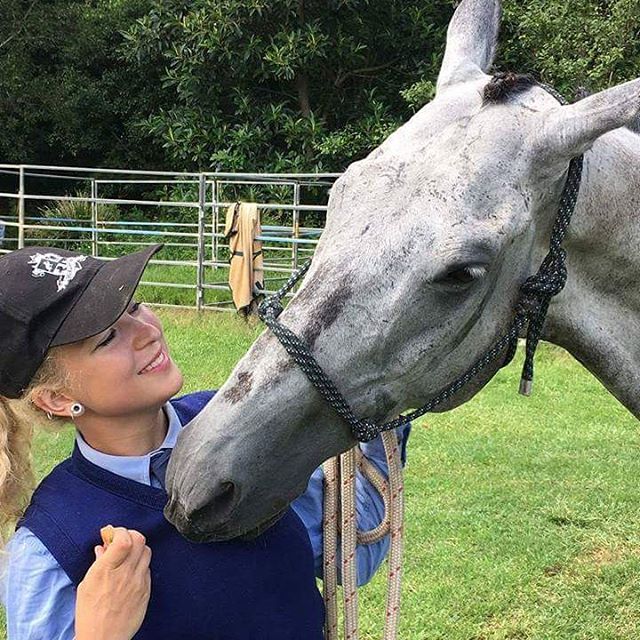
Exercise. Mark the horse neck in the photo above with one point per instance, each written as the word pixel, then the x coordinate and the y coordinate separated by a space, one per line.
pixel 597 316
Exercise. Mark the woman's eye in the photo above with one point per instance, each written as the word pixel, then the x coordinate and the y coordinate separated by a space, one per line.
pixel 111 335
pixel 134 307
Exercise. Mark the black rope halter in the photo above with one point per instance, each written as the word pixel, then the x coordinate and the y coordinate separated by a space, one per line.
pixel 531 310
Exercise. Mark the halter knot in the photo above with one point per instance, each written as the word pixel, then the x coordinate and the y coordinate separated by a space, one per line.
pixel 550 279
pixel 536 293
pixel 364 430
pixel 270 308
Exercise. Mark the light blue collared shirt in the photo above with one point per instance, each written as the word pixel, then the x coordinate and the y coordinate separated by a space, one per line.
pixel 40 599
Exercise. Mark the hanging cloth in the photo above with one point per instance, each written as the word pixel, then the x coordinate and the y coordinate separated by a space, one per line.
pixel 246 275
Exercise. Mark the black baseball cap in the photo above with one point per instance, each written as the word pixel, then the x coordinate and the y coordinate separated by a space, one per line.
pixel 50 297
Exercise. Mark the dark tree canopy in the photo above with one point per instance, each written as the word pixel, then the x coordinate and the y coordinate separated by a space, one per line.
pixel 262 85
pixel 65 94
pixel 288 84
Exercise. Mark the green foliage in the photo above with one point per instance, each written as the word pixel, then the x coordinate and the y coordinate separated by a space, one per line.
pixel 253 85
pixel 65 95
pixel 418 94
pixel 282 85
pixel 592 43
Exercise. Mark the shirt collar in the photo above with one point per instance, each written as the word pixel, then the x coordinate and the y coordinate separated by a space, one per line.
pixel 132 467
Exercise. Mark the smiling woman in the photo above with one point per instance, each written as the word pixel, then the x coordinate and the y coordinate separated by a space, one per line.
pixel 75 347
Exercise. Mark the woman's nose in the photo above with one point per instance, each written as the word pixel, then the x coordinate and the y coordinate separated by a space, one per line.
pixel 145 332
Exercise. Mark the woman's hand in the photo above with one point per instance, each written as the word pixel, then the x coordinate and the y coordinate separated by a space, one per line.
pixel 113 597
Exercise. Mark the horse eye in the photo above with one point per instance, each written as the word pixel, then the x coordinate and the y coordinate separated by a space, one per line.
pixel 461 277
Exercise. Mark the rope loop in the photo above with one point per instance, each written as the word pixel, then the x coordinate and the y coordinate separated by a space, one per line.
pixel 535 296
pixel 549 281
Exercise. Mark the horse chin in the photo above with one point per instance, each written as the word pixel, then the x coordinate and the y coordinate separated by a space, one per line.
pixel 202 536
pixel 260 529
pixel 471 389
pixel 242 535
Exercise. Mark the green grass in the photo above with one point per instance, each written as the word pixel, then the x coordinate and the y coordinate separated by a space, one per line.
pixel 523 515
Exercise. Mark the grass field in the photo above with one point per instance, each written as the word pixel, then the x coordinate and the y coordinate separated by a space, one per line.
pixel 523 515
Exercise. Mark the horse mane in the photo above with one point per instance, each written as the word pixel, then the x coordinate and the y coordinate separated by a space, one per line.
pixel 506 84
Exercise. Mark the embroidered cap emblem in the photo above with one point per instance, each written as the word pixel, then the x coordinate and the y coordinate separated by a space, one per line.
pixel 53 264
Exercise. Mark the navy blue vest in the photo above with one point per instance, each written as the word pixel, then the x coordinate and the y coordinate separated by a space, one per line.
pixel 263 589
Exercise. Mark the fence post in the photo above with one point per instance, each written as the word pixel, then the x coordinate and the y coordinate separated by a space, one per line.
pixel 202 191
pixel 296 224
pixel 94 218
pixel 21 209
pixel 214 235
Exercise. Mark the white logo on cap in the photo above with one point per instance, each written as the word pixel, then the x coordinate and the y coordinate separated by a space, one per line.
pixel 53 264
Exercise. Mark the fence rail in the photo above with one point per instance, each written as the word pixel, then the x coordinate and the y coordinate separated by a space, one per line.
pixel 110 212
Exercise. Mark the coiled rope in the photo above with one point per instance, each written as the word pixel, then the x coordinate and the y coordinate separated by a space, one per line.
pixel 340 527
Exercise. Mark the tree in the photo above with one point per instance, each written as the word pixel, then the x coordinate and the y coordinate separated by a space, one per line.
pixel 591 43
pixel 285 84
pixel 65 95
pixel 262 85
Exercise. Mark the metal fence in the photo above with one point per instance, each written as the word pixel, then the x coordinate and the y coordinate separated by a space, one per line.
pixel 110 212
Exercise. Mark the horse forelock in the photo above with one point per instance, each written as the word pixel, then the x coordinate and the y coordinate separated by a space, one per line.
pixel 505 85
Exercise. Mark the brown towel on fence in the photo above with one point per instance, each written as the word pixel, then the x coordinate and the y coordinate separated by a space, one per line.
pixel 246 277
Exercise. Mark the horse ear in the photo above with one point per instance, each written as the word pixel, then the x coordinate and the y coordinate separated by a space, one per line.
pixel 570 130
pixel 471 42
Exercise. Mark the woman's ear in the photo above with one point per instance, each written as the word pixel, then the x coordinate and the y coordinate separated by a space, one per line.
pixel 54 402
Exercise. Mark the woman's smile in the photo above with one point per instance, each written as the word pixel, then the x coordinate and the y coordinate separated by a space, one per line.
pixel 159 363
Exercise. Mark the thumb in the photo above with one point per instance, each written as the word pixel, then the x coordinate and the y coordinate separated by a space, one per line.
pixel 99 551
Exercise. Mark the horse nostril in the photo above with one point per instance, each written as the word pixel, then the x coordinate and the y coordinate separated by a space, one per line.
pixel 219 506
pixel 214 511
pixel 224 499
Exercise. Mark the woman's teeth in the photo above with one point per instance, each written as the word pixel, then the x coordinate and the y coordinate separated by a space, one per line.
pixel 156 363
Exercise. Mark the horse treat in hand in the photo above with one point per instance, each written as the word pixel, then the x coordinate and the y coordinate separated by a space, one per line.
pixel 107 533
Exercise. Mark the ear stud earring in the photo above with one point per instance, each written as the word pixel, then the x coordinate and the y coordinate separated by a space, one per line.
pixel 76 410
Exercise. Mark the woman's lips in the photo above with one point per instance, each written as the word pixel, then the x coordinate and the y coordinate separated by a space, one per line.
pixel 157 364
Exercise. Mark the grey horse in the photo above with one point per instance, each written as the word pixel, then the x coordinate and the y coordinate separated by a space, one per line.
pixel 427 242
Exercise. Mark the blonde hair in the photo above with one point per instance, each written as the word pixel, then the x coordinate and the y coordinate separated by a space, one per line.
pixel 17 421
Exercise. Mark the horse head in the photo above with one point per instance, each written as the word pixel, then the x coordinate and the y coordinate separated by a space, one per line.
pixel 426 245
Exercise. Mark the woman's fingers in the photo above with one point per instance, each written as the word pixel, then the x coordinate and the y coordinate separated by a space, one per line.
pixel 138 545
pixel 118 550
pixel 144 561
pixel 114 595
pixel 122 545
